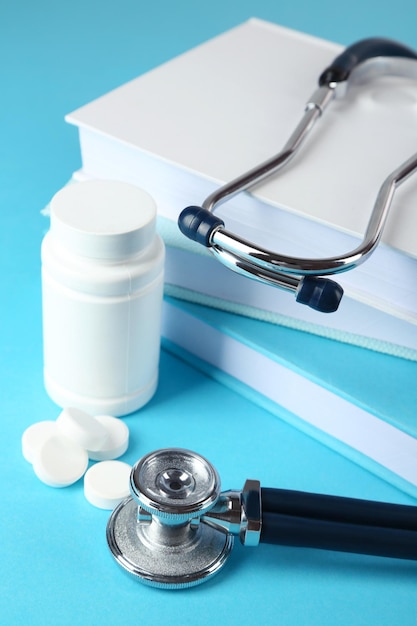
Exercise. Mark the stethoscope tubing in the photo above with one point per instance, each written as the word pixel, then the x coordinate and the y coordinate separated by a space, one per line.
pixel 301 519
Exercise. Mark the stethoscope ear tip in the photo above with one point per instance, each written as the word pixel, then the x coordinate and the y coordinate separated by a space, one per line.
pixel 321 294
pixel 198 224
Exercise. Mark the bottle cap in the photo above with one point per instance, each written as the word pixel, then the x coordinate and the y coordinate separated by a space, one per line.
pixel 103 219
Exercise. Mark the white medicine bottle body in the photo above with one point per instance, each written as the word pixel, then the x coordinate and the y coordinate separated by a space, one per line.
pixel 102 288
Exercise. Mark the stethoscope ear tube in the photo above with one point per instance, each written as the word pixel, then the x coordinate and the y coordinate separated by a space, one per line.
pixel 341 524
pixel 285 272
pixel 359 52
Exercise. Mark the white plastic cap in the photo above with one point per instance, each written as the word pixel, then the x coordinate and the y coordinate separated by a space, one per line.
pixel 103 219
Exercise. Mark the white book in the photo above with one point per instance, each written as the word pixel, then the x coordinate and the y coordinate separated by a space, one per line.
pixel 193 274
pixel 342 395
pixel 210 114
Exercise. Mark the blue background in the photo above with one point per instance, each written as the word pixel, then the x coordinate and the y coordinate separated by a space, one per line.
pixel 55 566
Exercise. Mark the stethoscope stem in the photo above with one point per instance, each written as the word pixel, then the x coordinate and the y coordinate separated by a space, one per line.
pixel 334 523
pixel 313 110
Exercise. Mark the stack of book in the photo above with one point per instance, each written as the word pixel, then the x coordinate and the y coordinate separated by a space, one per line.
pixel 360 402
pixel 216 111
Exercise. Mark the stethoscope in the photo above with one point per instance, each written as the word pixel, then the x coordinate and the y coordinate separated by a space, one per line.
pixel 364 60
pixel 177 528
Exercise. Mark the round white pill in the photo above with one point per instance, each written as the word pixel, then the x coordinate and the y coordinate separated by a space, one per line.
pixel 82 428
pixel 35 436
pixel 60 462
pixel 117 441
pixel 106 484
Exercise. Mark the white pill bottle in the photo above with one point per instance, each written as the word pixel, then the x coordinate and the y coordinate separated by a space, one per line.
pixel 102 287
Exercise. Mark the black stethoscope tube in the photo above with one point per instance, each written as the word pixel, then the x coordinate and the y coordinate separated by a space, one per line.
pixel 335 523
pixel 359 52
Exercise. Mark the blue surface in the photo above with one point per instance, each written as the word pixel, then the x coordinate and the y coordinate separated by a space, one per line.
pixel 55 567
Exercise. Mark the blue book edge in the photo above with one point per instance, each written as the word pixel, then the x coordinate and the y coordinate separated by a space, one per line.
pixel 253 396
pixel 173 238
pixel 382 385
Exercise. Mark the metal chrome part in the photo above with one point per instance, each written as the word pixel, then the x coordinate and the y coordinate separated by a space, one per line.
pixel 234 250
pixel 239 513
pixel 318 102
pixel 157 534
pixel 175 484
pixel 166 556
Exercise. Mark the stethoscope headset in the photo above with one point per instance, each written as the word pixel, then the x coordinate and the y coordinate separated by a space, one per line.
pixel 177 528
pixel 304 277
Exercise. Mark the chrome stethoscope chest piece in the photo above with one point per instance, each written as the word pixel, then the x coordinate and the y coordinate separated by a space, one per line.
pixel 177 529
pixel 157 534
